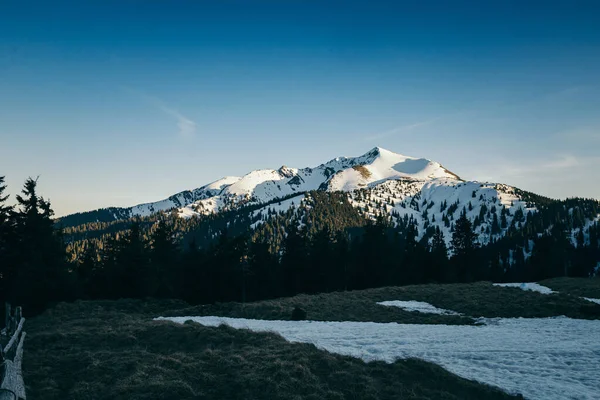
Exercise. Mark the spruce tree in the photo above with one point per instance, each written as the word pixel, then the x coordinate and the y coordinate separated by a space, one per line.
pixel 439 269
pixel 4 208
pixel 463 247
pixel 41 268
pixel 6 234
pixel 294 260
pixel 164 261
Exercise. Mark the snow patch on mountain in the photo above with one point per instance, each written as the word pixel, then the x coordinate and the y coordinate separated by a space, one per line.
pixel 342 173
pixel 275 208
pixel 439 202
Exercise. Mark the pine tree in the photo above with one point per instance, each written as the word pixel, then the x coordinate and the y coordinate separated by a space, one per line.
pixel 496 271
pixel 86 270
pixel 6 234
pixel 293 260
pixel 164 261
pixel 41 258
pixel 463 247
pixel 439 268
pixel 4 209
pixel 132 271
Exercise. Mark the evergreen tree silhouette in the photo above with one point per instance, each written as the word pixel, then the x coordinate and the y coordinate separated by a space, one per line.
pixel 41 259
pixel 463 248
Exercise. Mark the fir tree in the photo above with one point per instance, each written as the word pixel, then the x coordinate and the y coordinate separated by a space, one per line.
pixel 6 234
pixel 41 259
pixel 164 261
pixel 463 247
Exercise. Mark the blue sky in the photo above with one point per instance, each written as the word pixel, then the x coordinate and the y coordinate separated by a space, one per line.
pixel 122 102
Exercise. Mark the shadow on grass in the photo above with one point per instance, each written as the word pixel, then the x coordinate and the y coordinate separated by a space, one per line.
pixel 583 287
pixel 113 350
pixel 480 299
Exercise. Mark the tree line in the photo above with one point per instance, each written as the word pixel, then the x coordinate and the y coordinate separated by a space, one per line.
pixel 324 246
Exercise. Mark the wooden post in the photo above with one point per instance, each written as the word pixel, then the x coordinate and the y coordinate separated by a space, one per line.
pixel 14 338
pixel 7 319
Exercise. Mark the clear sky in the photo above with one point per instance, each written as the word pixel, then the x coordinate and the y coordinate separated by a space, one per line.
pixel 114 103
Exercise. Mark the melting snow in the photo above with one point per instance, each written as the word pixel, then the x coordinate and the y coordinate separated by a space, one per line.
pixel 597 301
pixel 535 287
pixel 544 358
pixel 420 306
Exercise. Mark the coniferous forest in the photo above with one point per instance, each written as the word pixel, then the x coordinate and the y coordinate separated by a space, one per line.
pixel 325 245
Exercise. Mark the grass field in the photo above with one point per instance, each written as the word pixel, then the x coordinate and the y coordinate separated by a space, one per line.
pixel 114 350
pixel 575 287
pixel 480 299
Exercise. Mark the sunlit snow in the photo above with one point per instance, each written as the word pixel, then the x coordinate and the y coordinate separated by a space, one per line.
pixel 532 286
pixel 545 358
pixel 419 306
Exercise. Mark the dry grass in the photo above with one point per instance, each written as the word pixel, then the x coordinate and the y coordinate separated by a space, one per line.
pixel 584 287
pixel 480 299
pixel 364 172
pixel 113 350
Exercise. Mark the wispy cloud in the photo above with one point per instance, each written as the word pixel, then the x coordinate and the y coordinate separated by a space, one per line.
pixel 187 128
pixel 559 164
pixel 585 134
pixel 399 130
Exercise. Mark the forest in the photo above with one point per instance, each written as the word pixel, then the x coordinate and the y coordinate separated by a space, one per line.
pixel 325 245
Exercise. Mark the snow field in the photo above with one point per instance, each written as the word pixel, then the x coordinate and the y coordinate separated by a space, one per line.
pixel 536 287
pixel 541 358
pixel 532 286
pixel 419 306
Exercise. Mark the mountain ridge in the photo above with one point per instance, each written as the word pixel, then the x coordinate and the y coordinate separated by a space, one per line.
pixel 263 185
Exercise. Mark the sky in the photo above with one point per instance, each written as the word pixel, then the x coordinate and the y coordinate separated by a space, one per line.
pixel 115 103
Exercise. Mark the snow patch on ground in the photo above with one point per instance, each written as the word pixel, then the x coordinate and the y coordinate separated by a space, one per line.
pixel 541 358
pixel 419 306
pixel 597 301
pixel 532 286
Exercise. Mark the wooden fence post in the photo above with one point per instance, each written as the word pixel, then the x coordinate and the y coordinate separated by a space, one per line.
pixel 11 356
pixel 18 313
pixel 7 319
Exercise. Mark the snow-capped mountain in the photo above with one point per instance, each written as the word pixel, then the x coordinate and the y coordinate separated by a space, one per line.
pixel 261 186
pixel 380 182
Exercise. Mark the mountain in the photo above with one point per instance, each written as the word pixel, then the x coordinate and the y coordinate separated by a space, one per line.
pixel 261 186
pixel 407 190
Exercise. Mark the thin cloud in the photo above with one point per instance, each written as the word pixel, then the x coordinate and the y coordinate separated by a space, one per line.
pixel 187 128
pixel 564 162
pixel 591 134
pixel 557 165
pixel 399 130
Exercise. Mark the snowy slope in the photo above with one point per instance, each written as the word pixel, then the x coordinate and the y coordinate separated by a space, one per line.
pixel 439 202
pixel 379 181
pixel 261 186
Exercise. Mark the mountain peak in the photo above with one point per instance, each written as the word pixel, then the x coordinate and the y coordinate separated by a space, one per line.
pixel 377 151
pixel 376 166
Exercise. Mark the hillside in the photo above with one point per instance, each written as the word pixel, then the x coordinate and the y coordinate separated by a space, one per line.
pixel 380 182
pixel 381 212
